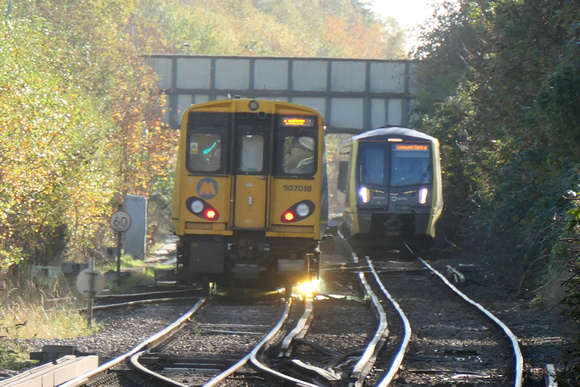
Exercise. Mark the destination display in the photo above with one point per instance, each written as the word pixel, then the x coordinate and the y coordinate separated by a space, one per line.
pixel 297 121
pixel 412 147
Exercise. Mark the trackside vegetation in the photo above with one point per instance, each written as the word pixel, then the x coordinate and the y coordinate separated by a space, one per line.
pixel 500 88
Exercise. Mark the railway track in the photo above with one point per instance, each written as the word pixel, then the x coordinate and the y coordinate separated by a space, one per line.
pixel 217 345
pixel 453 340
pixel 112 372
pixel 294 349
pixel 192 350
pixel 299 349
pixel 383 321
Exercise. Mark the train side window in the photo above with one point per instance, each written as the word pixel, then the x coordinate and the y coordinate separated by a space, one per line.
pixel 299 155
pixel 252 153
pixel 342 175
pixel 204 150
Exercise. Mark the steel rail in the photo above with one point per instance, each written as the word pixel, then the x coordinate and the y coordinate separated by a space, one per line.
pixel 141 368
pixel 368 358
pixel 142 295
pixel 82 379
pixel 138 302
pixel 225 374
pixel 300 330
pixel 519 360
pixel 264 368
pixel 396 363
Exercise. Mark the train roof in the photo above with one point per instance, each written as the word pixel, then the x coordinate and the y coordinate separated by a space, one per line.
pixel 394 131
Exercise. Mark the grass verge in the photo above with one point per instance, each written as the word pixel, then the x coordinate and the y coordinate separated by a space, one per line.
pixel 49 309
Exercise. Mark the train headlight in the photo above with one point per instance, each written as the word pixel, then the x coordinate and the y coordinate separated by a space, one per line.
pixel 423 192
pixel 365 195
pixel 197 206
pixel 253 105
pixel 302 209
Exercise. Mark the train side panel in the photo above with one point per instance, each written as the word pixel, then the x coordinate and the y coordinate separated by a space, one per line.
pixel 437 198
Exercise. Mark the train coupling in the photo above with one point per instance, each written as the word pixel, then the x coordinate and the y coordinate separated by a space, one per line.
pixel 290 265
pixel 245 271
pixel 248 249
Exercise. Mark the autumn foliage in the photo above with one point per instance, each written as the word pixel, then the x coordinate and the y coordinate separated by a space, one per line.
pixel 79 129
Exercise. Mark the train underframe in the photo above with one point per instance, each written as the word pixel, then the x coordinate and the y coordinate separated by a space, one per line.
pixel 246 260
pixel 391 230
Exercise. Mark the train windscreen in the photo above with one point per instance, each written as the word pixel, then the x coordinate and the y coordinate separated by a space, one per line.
pixel 297 142
pixel 204 152
pixel 373 165
pixel 410 164
pixel 299 155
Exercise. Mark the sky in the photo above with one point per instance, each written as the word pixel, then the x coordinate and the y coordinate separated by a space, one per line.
pixel 409 13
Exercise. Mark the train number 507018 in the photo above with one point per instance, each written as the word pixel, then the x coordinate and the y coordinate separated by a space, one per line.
pixel 297 188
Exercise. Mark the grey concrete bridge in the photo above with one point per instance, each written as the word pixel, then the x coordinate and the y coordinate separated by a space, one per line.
pixel 353 95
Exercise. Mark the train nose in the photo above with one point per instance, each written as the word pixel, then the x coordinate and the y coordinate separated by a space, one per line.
pixel 393 226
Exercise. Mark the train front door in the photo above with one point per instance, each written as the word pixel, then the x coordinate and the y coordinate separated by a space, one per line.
pixel 251 174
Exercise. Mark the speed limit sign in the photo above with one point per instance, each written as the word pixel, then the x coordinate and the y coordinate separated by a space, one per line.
pixel 120 221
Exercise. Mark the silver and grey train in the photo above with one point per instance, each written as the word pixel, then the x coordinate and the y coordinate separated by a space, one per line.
pixel 389 185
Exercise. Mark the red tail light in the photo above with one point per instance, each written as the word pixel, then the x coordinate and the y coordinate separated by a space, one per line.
pixel 201 208
pixel 298 211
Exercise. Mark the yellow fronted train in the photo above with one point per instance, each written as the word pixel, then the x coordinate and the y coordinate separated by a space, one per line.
pixel 250 198
pixel 389 185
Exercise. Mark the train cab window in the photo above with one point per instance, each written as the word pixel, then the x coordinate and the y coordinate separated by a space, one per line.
pixel 299 154
pixel 372 166
pixel 410 164
pixel 204 151
pixel 252 153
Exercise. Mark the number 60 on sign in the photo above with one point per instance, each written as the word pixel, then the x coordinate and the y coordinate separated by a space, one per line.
pixel 120 221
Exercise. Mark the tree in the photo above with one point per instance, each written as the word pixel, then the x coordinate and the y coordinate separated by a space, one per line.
pixel 275 28
pixel 52 159
pixel 80 126
pixel 498 87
